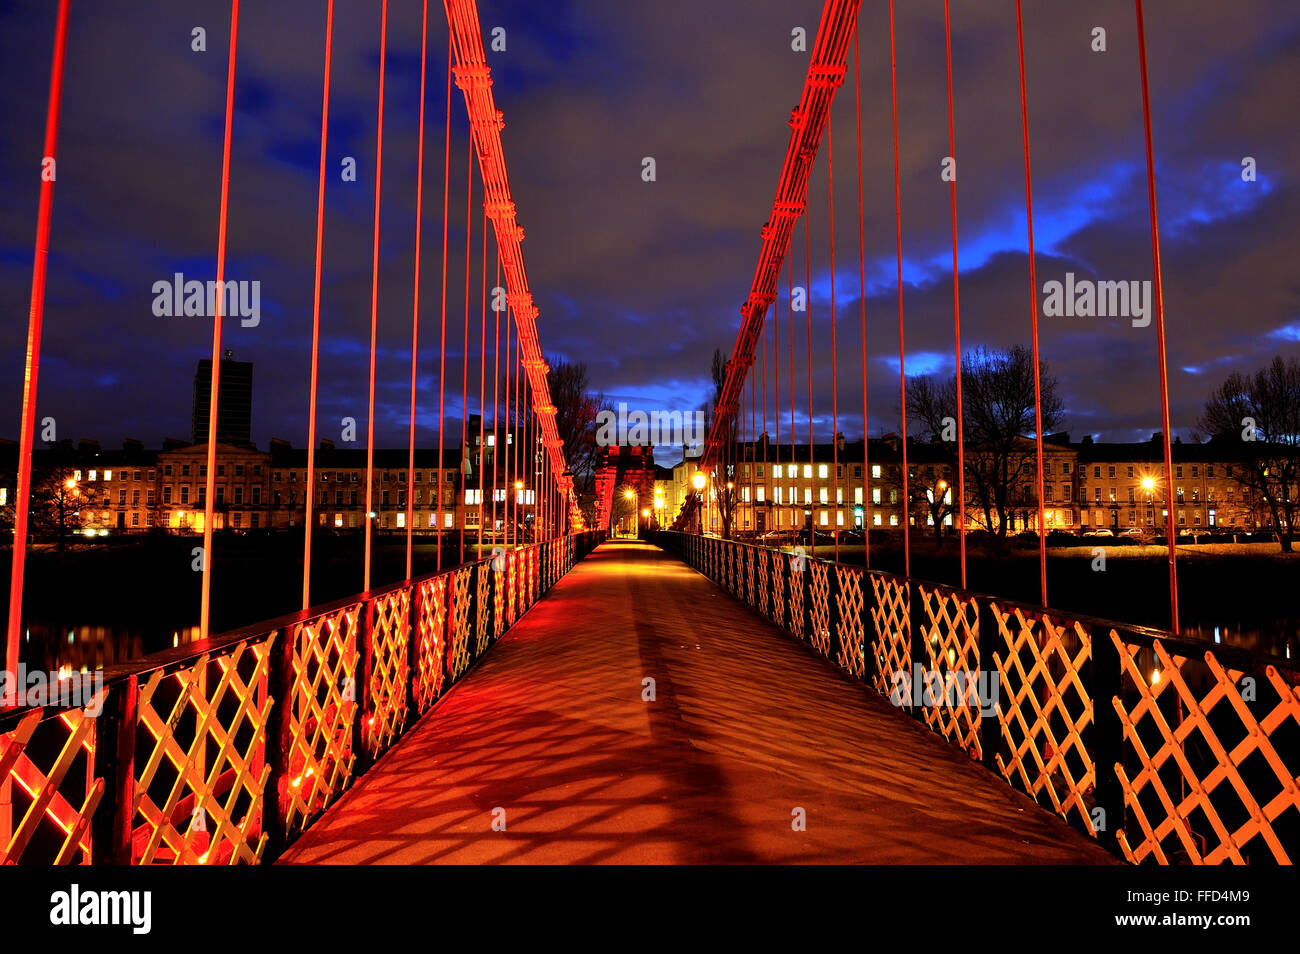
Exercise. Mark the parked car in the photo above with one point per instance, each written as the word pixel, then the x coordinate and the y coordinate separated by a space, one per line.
pixel 1102 532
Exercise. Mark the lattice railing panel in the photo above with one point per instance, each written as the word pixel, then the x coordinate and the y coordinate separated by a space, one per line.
pixel 49 765
pixel 201 773
pixel 763 571
pixel 1215 754
pixel 798 570
pixel 532 575
pixel 820 610
pixel 777 564
pixel 323 705
pixel 430 641
pixel 891 642
pixel 389 640
pixel 751 591
pixel 849 627
pixel 1044 711
pixel 498 565
pixel 458 636
pixel 952 704
pixel 483 607
pixel 512 586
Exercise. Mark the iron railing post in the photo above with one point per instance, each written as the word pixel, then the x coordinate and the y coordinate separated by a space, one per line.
pixel 360 738
pixel 917 638
pixel 1108 740
pixel 110 828
pixel 279 683
pixel 990 728
pixel 833 612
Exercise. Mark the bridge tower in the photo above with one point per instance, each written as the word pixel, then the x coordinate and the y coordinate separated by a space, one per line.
pixel 623 465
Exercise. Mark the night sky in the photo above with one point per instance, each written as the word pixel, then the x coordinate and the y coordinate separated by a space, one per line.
pixel 642 281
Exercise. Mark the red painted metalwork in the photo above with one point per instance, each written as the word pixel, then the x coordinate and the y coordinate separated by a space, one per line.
pixel 482 384
pixel 956 325
pixel 835 383
pixel 862 294
pixel 825 74
pixel 807 249
pixel 464 377
pixel 315 302
pixel 27 429
pixel 374 297
pixel 1160 318
pixel 205 600
pixel 474 77
pixel 1033 309
pixel 902 358
pixel 442 343
pixel 415 307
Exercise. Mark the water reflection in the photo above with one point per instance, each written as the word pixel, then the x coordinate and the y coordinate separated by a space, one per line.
pixel 1277 637
pixel 88 647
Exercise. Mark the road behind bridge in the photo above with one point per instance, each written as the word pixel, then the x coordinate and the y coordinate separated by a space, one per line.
pixel 551 734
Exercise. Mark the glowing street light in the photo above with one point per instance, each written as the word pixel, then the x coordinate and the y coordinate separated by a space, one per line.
pixel 628 494
pixel 699 480
pixel 1148 483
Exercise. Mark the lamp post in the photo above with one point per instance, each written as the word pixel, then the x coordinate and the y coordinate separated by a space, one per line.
pixel 699 480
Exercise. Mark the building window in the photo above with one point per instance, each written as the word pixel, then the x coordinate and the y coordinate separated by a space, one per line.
pixel 239 496
pixel 185 493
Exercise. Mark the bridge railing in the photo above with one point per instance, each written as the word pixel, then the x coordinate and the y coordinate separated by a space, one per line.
pixel 1165 749
pixel 222 752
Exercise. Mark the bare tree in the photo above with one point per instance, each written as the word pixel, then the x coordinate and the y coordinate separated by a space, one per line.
pixel 59 504
pixel 998 407
pixel 1263 412
pixel 576 408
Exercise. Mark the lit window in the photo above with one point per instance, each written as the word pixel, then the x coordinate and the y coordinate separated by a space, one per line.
pixel 807 471
pixel 776 470
pixel 876 519
pixel 338 520
pixel 759 492
pixel 822 471
pixel 825 518
pixel 447 522
pixel 875 471
pixel 108 475
pixel 893 519
pixel 401 520
pixel 875 495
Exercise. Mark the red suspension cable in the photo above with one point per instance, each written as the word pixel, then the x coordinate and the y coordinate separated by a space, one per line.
pixel 415 307
pixel 862 294
pixel 27 428
pixel 374 294
pixel 835 384
pixel 812 456
pixel 205 602
pixel 315 313
pixel 956 328
pixel 1160 318
pixel 482 387
pixel 442 343
pixel 464 380
pixel 1033 309
pixel 898 229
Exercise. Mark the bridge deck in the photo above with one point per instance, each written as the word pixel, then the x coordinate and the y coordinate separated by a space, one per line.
pixel 746 727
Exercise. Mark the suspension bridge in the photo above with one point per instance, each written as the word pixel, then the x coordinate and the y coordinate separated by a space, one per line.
pixel 679 698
